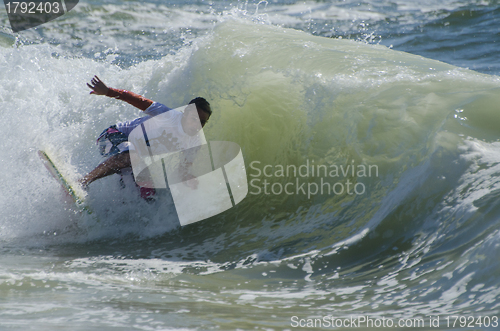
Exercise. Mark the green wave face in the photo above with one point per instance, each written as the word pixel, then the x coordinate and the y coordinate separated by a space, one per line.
pixel 387 121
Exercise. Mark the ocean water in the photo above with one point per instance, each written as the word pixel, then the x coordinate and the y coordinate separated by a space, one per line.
pixel 370 137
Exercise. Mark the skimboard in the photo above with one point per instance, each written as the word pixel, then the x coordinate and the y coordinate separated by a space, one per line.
pixel 75 197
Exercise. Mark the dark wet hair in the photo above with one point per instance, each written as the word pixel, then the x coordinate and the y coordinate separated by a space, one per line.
pixel 202 104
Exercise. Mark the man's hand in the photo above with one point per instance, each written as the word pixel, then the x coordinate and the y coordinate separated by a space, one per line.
pixel 98 87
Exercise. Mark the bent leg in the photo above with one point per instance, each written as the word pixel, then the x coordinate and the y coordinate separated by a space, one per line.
pixel 111 166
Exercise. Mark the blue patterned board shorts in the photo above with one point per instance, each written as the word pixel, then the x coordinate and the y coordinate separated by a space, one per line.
pixel 112 142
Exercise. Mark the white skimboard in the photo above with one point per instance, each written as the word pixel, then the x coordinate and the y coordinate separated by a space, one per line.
pixel 77 198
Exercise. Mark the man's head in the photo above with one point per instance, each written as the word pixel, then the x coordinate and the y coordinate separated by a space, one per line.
pixel 202 104
pixel 193 121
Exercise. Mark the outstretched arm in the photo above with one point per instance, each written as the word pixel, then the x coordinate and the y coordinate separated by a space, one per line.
pixel 99 88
